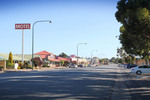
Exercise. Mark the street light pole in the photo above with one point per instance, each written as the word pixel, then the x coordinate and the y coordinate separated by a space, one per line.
pixel 77 50
pixel 93 51
pixel 92 55
pixel 33 37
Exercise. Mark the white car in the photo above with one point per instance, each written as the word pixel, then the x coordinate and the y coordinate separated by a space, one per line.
pixel 142 69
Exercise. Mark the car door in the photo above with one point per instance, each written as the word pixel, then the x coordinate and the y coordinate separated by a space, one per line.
pixel 148 68
pixel 143 69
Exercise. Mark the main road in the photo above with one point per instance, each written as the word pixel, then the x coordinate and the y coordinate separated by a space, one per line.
pixel 91 83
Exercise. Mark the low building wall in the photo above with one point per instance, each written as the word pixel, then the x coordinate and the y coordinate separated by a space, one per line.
pixel 3 64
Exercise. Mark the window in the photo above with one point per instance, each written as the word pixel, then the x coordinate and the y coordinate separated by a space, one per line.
pixel 148 66
pixel 141 67
pixel 144 66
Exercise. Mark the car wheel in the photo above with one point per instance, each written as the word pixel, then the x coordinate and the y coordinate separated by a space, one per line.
pixel 138 72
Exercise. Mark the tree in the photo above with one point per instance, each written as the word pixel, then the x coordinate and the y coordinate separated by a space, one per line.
pixel 135 31
pixel 122 53
pixel 62 62
pixel 10 58
pixel 113 59
pixel 120 61
pixel 63 55
pixel 37 62
pixel 117 60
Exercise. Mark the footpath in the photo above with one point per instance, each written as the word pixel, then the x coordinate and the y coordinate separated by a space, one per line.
pixel 23 70
pixel 120 91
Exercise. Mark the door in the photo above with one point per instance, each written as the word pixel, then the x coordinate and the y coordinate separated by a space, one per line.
pixel 144 69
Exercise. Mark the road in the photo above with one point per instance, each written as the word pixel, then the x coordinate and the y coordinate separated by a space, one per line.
pixel 92 83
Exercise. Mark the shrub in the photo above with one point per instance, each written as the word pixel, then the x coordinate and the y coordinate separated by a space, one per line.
pixel 21 65
pixel 9 65
pixel 45 65
pixel 37 62
pixel 27 66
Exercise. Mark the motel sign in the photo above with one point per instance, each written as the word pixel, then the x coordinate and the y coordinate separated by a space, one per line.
pixel 23 26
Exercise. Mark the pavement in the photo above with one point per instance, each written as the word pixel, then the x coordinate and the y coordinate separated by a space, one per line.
pixel 137 86
pixel 24 70
pixel 120 92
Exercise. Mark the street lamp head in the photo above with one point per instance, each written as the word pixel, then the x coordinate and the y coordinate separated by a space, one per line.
pixel 50 21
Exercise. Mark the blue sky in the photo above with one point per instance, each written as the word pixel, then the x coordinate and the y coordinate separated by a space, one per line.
pixel 73 21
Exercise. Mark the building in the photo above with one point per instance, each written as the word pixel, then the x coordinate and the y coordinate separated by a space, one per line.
pixel 141 62
pixel 66 60
pixel 81 60
pixel 95 60
pixel 73 59
pixel 48 58
pixel 51 59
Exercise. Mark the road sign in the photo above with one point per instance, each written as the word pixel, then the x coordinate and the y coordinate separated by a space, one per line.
pixel 23 26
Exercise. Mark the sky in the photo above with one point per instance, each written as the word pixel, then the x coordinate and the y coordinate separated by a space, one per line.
pixel 73 21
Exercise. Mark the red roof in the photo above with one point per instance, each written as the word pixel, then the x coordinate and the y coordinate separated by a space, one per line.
pixel 43 56
pixel 42 53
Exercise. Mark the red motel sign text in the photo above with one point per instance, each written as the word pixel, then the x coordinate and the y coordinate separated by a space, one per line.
pixel 22 26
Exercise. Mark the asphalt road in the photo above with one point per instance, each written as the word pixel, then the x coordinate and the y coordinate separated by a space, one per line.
pixel 60 84
pixel 93 83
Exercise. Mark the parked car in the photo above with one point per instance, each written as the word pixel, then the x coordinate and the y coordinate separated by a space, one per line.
pixel 125 65
pixel 142 69
pixel 120 65
pixel 93 65
pixel 131 65
pixel 81 65
pixel 73 66
pixel 89 65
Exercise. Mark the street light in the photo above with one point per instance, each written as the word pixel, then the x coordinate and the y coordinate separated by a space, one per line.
pixel 93 51
pixel 92 55
pixel 77 50
pixel 33 36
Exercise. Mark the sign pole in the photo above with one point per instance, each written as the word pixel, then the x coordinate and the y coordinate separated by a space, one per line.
pixel 22 27
pixel 22 46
